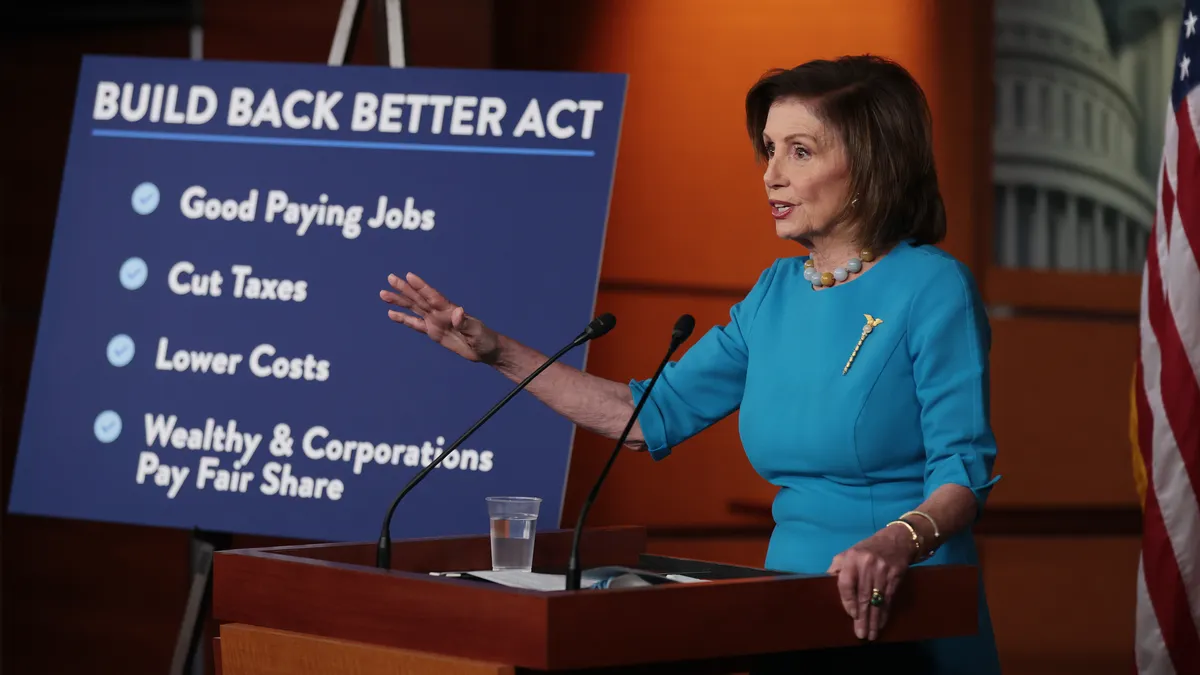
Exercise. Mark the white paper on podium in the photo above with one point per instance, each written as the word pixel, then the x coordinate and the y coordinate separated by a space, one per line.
pixel 596 578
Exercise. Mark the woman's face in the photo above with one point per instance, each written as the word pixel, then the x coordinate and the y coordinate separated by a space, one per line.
pixel 807 175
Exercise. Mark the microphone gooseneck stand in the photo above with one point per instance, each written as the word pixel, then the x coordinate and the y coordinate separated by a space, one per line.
pixel 683 329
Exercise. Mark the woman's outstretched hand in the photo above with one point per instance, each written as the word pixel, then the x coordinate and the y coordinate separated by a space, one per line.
pixel 443 321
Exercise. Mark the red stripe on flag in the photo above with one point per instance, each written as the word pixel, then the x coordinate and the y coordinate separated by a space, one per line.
pixel 1187 174
pixel 1180 397
pixel 1167 592
pixel 1168 206
pixel 1180 391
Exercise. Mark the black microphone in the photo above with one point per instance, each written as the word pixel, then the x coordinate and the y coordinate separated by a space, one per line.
pixel 683 329
pixel 597 328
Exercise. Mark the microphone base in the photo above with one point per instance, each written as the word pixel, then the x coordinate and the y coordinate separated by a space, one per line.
pixel 574 578
pixel 383 554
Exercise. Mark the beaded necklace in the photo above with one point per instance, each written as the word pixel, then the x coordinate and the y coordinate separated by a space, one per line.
pixel 852 266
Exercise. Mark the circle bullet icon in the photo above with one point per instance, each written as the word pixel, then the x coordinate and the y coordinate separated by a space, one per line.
pixel 120 350
pixel 107 426
pixel 145 198
pixel 133 273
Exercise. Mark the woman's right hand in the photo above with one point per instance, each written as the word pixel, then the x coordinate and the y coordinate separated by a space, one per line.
pixel 444 322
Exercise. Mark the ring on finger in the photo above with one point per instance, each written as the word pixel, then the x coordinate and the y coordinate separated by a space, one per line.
pixel 876 598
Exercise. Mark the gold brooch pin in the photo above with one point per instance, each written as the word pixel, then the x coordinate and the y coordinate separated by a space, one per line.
pixel 871 323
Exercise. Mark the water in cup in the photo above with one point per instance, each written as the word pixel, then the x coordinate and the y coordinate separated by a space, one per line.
pixel 513 531
pixel 512 542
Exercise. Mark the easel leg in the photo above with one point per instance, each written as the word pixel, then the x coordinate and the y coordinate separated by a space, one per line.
pixel 188 658
pixel 390 32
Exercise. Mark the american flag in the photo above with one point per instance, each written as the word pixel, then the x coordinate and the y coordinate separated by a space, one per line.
pixel 1166 415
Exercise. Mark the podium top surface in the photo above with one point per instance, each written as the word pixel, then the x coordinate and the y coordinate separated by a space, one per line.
pixel 334 591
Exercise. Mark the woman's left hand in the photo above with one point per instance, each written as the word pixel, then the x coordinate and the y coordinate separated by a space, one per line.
pixel 875 563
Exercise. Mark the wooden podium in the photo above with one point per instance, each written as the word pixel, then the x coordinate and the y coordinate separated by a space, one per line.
pixel 326 609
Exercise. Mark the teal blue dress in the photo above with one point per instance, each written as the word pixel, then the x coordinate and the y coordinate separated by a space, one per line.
pixel 849 452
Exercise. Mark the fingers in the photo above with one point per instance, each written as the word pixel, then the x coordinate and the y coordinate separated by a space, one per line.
pixel 397 300
pixel 428 293
pixel 875 574
pixel 877 615
pixel 864 572
pixel 859 575
pixel 416 323
pixel 416 301
pixel 893 582
pixel 848 589
pixel 866 584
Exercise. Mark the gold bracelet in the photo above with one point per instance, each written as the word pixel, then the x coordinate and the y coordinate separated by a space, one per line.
pixel 936 533
pixel 916 538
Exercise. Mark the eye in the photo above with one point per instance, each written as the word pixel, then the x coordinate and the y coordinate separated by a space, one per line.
pixel 770 148
pixel 801 152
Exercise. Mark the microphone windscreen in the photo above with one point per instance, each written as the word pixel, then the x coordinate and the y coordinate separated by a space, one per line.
pixel 601 325
pixel 683 327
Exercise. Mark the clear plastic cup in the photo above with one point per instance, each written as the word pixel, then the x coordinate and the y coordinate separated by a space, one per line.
pixel 514 527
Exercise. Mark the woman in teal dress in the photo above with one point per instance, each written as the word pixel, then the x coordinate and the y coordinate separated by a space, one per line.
pixel 860 370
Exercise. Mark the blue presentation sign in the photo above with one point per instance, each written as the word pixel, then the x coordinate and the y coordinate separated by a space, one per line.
pixel 212 350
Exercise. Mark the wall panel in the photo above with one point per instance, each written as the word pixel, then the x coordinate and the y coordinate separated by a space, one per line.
pixel 1062 607
pixel 1060 410
pixel 688 203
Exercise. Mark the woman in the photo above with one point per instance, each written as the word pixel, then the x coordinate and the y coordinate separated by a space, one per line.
pixel 860 370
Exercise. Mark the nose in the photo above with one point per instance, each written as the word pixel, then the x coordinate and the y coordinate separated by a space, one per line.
pixel 772 176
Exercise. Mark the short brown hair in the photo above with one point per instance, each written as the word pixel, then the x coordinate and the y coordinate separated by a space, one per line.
pixel 883 119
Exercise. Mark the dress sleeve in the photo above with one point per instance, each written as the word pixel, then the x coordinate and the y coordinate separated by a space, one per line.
pixel 949 342
pixel 706 383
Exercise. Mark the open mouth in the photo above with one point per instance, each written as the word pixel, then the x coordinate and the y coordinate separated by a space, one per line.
pixel 781 209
